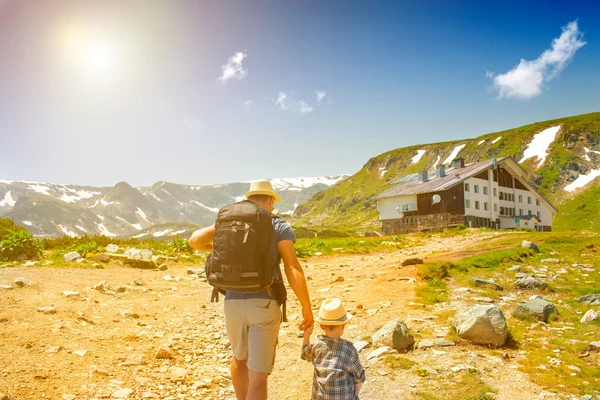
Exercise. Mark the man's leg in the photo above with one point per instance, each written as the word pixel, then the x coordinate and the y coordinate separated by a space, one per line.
pixel 239 378
pixel 257 389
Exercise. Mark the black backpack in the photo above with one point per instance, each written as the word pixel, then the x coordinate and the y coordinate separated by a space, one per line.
pixel 241 259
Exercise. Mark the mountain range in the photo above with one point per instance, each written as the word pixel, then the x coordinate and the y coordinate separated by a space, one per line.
pixel 157 211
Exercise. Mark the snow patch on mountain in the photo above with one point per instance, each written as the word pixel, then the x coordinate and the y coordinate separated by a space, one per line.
pixel 539 145
pixel 67 232
pixel 454 153
pixel 105 231
pixel 417 158
pixel 587 151
pixel 213 209
pixel 582 180
pixel 7 201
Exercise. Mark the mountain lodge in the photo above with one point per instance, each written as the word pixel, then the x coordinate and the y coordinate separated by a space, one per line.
pixel 492 193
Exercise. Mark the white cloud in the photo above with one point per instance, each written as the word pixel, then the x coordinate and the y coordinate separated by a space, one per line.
pixel 234 68
pixel 304 108
pixel 320 96
pixel 489 74
pixel 248 103
pixel 287 103
pixel 526 80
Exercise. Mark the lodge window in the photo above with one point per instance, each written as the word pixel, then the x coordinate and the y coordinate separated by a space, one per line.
pixel 520 198
pixel 467 203
pixel 530 213
pixel 495 192
pixel 496 207
pixel 537 202
pixel 409 207
pixel 486 206
pixel 466 187
pixel 485 191
pixel 520 211
pixel 501 195
pixel 476 188
pixel 477 205
pixel 528 199
pixel 539 215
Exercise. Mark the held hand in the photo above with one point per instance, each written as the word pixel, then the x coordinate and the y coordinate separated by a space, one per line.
pixel 308 319
pixel 308 331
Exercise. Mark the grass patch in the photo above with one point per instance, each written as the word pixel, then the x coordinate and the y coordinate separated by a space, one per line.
pixel 398 362
pixel 468 387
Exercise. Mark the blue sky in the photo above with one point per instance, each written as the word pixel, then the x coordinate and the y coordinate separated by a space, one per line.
pixel 97 92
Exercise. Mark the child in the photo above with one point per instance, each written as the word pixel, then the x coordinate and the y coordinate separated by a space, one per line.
pixel 338 372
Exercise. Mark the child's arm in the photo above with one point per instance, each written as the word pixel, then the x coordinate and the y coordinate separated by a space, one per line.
pixel 357 387
pixel 306 347
pixel 307 333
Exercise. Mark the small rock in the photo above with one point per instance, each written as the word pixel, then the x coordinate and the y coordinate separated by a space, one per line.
pixel 520 275
pixel 594 346
pixel 484 299
pixel 102 286
pixel 461 367
pixel 412 261
pixel 530 282
pixel 486 282
pixel 574 368
pixel 380 351
pixel 360 345
pixel 31 263
pixel 591 299
pixel 139 282
pixel 47 310
pixel 122 393
pixel 72 256
pixel 80 353
pixel 22 282
pixel 337 279
pixel 162 267
pixel 120 289
pixel 70 294
pixel 589 316
pixel 195 271
pixel 444 343
pixel 54 349
pixel 6 287
pixel 426 371
pixel 528 245
pixel 425 344
pixel 112 248
pixel 515 268
pixel 164 353
pixel 537 308
pixel 80 260
pixel 394 334
pixel 178 374
pixel 97 266
pixel 551 260
pixel 318 253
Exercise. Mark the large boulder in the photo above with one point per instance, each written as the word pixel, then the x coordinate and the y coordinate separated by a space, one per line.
pixel 394 334
pixel 412 261
pixel 529 282
pixel 112 248
pixel 479 324
pixel 592 299
pixel 537 308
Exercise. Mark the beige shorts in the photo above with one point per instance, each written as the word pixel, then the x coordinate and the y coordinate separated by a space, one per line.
pixel 253 328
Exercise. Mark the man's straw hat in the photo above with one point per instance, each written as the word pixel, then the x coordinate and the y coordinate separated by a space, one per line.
pixel 262 186
pixel 332 313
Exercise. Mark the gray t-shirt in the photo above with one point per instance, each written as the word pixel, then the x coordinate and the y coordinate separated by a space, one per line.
pixel 281 231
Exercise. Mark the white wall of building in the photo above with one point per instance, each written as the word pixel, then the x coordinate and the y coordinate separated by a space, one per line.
pixel 387 206
pixel 473 197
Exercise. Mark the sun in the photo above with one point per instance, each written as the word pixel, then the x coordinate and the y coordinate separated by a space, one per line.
pixel 90 53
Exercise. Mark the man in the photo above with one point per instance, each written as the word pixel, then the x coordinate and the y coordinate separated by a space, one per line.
pixel 252 319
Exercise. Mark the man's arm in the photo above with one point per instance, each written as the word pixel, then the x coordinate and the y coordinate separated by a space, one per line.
pixel 295 277
pixel 202 239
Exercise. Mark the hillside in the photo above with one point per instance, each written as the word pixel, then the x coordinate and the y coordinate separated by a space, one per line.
pixel 573 154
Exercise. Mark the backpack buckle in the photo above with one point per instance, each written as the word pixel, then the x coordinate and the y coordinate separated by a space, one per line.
pixel 232 272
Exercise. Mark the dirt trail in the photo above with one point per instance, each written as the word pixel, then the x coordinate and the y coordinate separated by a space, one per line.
pixel 98 344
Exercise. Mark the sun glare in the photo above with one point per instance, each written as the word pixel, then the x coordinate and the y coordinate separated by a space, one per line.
pixel 92 54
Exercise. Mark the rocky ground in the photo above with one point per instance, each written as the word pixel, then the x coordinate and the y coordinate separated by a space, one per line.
pixel 154 334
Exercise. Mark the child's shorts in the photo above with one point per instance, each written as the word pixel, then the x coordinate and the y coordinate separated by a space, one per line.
pixel 253 329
